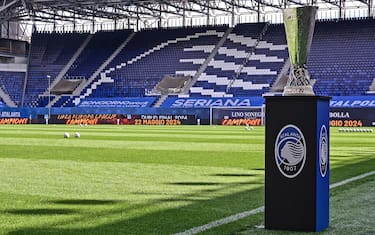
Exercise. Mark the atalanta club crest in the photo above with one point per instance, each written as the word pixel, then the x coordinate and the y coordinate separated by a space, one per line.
pixel 290 151
pixel 323 150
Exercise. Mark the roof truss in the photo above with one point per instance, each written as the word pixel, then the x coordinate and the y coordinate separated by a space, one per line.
pixel 72 10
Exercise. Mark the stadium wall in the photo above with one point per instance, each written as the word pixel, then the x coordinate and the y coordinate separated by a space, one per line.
pixel 102 115
pixel 350 111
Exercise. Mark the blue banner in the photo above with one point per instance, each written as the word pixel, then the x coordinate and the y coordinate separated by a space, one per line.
pixel 11 114
pixel 202 102
pixel 352 102
pixel 139 102
pixel 206 102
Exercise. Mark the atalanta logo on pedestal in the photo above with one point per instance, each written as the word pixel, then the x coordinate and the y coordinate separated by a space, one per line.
pixel 323 150
pixel 290 151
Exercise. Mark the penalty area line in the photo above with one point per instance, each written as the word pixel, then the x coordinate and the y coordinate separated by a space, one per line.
pixel 255 211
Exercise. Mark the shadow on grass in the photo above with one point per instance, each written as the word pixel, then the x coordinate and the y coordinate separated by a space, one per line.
pixel 44 211
pixel 84 202
pixel 199 209
pixel 257 169
pixel 235 175
pixel 172 220
pixel 194 183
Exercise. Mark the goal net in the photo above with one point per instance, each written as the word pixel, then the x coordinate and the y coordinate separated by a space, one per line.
pixel 237 116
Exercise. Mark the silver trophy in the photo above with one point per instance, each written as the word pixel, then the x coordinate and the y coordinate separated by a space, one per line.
pixel 299 27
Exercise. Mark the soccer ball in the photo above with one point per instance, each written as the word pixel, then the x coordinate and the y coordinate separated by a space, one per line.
pixel 248 127
pixel 77 135
pixel 66 135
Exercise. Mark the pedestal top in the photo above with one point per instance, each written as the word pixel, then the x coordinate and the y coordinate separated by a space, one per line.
pixel 297 98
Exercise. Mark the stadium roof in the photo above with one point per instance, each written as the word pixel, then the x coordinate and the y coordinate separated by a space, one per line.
pixel 146 13
pixel 47 10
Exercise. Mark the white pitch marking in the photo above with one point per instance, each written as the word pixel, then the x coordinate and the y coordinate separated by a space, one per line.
pixel 255 211
pixel 355 178
pixel 223 221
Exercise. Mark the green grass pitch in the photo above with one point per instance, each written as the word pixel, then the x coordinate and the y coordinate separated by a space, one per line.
pixel 150 179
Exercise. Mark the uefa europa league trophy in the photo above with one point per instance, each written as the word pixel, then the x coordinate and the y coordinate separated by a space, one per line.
pixel 297 140
pixel 299 27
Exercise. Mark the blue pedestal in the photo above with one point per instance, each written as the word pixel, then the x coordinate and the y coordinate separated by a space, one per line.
pixel 297 163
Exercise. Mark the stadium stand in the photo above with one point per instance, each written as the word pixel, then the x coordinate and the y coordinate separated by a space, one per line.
pixel 246 64
pixel 100 47
pixel 341 58
pixel 49 53
pixel 12 84
pixel 143 62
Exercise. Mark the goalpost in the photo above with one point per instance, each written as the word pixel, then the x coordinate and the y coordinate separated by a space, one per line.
pixel 237 115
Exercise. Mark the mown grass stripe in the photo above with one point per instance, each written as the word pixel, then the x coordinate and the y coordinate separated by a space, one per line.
pixel 162 190
pixel 245 214
pixel 142 145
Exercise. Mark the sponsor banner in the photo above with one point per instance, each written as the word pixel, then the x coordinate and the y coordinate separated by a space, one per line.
pixel 241 122
pixel 118 119
pixel 117 102
pixel 163 119
pixel 13 117
pixel 78 119
pixel 203 102
pixel 352 117
pixel 173 102
pixel 10 114
pixel 352 102
pixel 13 121
pixel 237 116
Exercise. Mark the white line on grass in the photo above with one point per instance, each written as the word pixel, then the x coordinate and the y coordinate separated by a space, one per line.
pixel 244 214
pixel 223 221
pixel 338 184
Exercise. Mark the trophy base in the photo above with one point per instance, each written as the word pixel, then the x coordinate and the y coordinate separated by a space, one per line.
pixel 298 91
